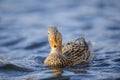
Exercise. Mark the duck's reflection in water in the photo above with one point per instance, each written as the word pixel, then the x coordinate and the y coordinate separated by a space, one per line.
pixel 61 73
pixel 57 72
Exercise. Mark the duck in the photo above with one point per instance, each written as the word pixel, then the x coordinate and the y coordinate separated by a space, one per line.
pixel 68 54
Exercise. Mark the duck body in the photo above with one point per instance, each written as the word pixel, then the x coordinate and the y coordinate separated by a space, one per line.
pixel 70 54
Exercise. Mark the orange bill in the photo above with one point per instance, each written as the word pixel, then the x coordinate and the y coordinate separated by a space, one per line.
pixel 54 41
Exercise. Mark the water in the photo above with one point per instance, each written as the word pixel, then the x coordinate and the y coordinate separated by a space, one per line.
pixel 24 44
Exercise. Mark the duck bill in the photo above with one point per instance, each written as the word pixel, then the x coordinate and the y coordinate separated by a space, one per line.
pixel 54 42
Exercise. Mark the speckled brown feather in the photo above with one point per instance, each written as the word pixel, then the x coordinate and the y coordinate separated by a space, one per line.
pixel 77 51
pixel 57 60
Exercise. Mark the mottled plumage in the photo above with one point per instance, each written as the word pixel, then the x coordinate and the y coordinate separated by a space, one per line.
pixel 68 54
pixel 78 51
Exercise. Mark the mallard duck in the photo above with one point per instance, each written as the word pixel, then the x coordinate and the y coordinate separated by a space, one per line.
pixel 68 54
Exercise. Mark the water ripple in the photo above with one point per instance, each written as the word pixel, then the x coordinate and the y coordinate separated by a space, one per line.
pixel 36 45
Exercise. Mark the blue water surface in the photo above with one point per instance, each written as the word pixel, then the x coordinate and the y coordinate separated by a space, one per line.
pixel 24 44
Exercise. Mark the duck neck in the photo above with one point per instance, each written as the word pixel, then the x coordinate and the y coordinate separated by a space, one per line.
pixel 57 50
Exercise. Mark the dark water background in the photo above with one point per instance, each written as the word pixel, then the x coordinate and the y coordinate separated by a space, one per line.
pixel 24 45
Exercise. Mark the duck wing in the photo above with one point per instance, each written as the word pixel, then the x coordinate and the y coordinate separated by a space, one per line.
pixel 77 51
